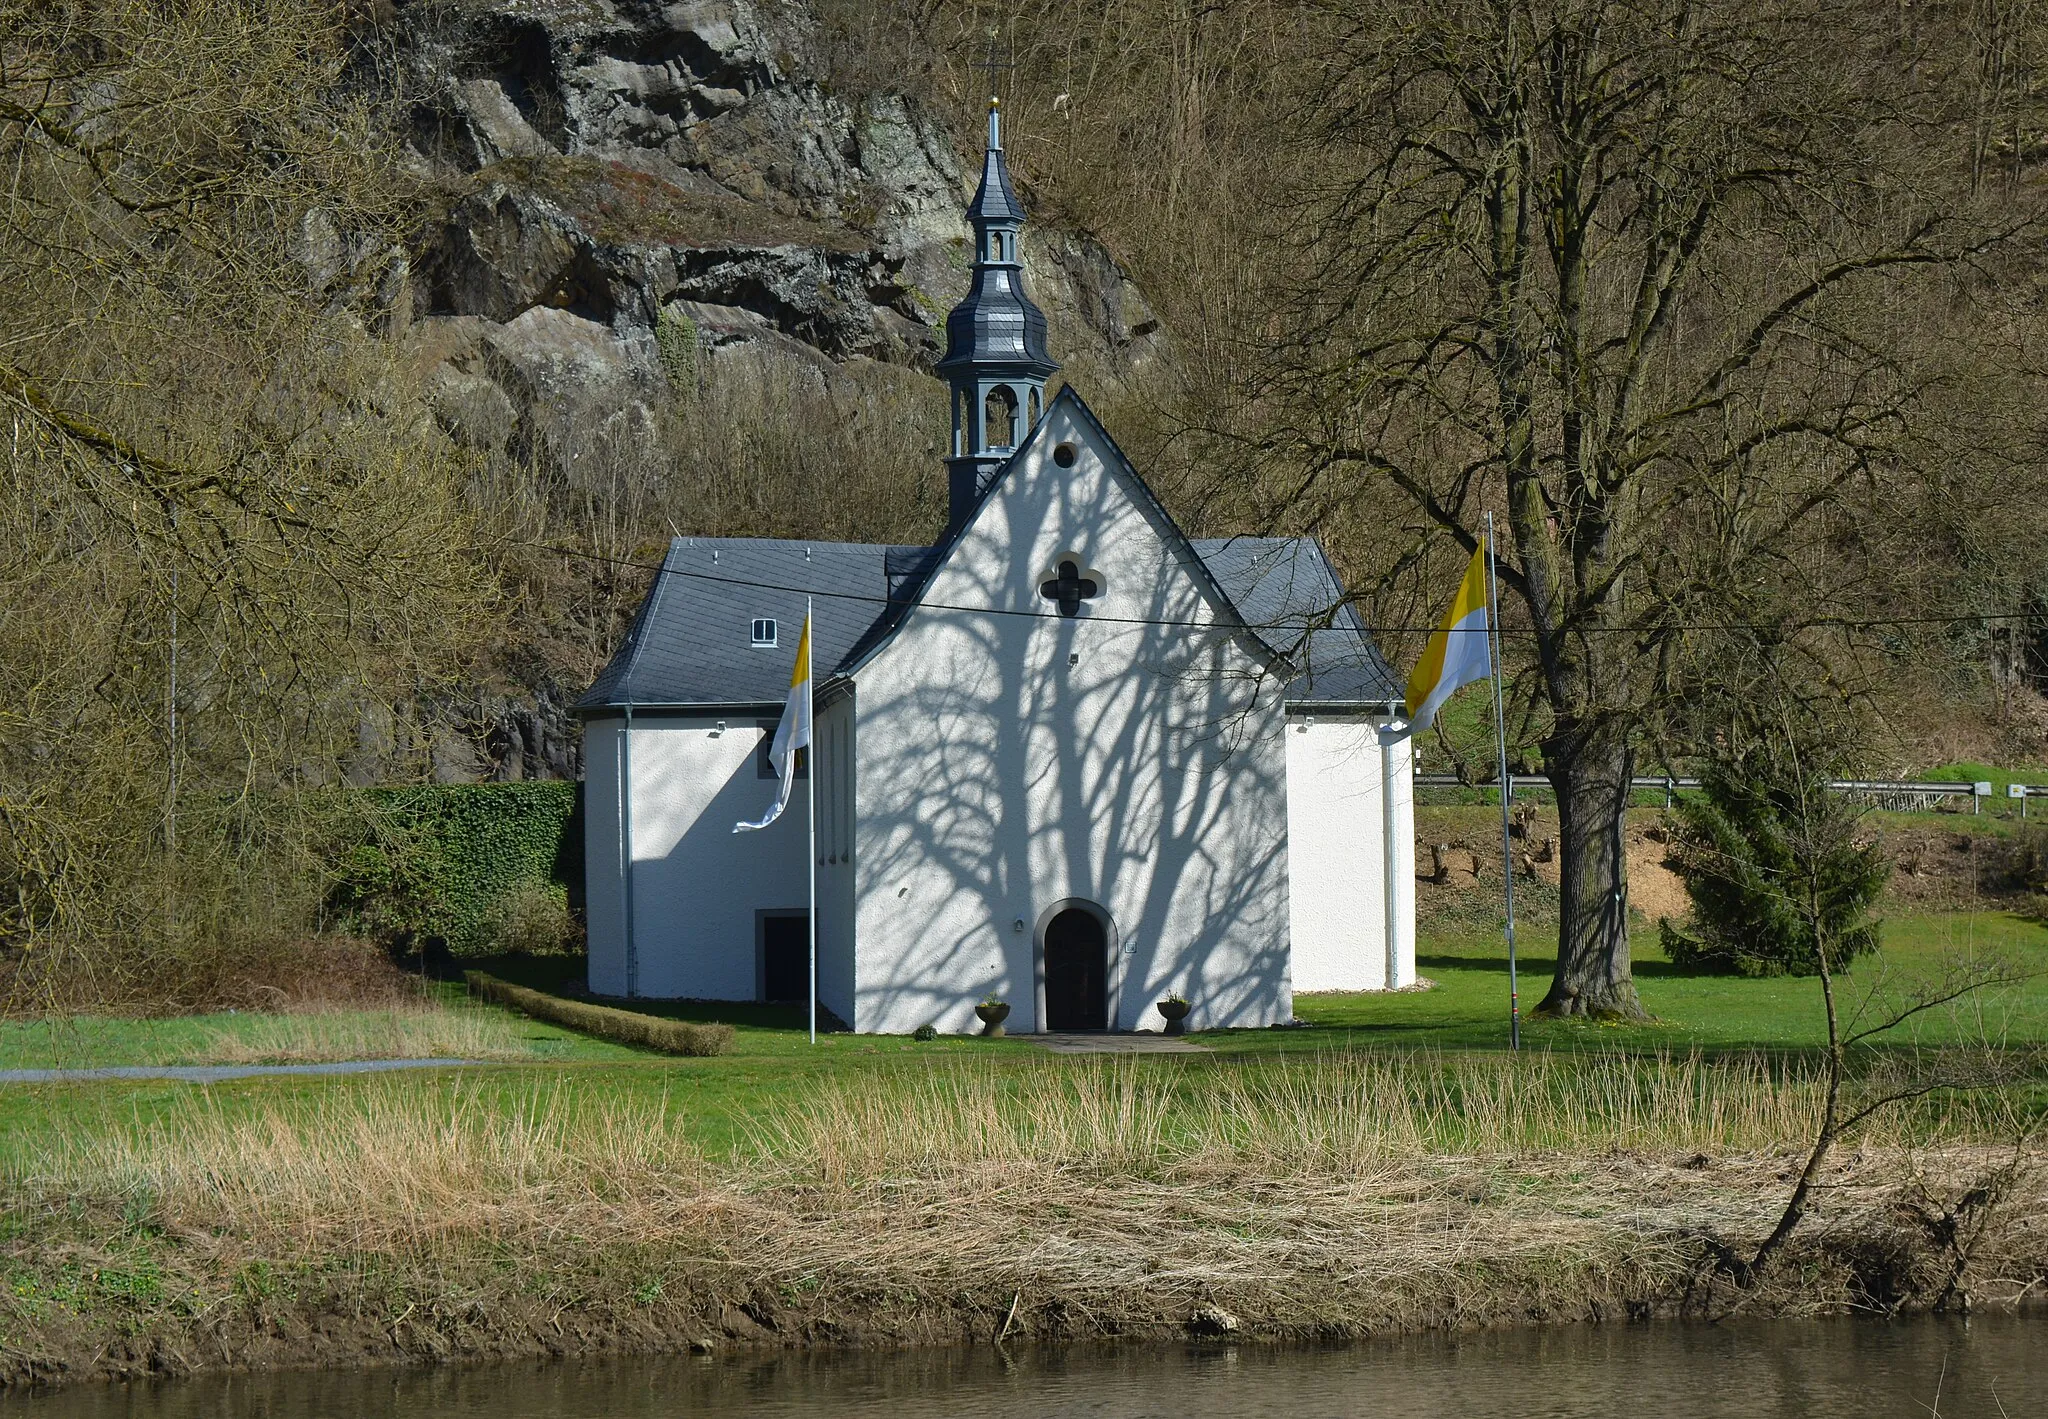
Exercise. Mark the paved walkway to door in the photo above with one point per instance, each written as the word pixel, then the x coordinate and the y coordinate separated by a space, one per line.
pixel 1143 1043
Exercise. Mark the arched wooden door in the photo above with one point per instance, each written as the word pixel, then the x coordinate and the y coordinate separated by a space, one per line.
pixel 1076 971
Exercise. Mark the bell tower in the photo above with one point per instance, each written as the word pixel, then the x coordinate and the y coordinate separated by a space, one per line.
pixel 996 363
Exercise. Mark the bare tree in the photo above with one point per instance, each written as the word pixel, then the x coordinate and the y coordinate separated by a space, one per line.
pixel 228 526
pixel 1648 281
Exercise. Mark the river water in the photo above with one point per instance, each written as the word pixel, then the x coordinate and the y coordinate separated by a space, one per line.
pixel 1986 1367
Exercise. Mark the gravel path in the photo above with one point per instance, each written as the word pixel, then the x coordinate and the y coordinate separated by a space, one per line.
pixel 213 1073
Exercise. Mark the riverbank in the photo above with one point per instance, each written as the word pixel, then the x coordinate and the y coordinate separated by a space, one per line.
pixel 1324 1196
pixel 1388 1168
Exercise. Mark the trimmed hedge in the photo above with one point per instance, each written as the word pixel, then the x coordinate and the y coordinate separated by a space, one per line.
pixel 668 1036
pixel 443 861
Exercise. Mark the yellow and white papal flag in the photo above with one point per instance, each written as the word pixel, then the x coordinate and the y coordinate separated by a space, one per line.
pixel 792 734
pixel 1459 651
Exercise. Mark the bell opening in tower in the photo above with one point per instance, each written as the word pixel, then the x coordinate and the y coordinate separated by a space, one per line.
pixel 1000 417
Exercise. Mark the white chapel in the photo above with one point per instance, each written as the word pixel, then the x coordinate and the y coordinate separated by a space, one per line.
pixel 1067 757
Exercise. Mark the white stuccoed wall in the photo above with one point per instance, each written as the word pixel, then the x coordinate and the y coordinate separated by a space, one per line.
pixel 837 781
pixel 604 895
pixel 697 885
pixel 1335 862
pixel 998 779
pixel 1404 861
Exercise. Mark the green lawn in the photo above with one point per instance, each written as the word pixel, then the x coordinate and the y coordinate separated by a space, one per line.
pixel 1468 1008
pixel 1465 1011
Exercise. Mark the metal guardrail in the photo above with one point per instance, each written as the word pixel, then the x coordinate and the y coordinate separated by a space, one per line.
pixel 1891 795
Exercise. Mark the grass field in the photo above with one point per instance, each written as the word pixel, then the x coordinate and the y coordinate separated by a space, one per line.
pixel 1468 1007
pixel 719 1100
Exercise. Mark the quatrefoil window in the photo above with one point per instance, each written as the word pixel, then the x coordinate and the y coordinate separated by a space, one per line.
pixel 1069 586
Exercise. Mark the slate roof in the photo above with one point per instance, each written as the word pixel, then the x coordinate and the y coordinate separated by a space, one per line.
pixel 689 644
pixel 1288 593
pixel 997 324
pixel 995 201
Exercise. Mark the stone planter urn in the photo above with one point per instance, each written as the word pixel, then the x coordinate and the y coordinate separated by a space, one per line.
pixel 1175 1013
pixel 992 1014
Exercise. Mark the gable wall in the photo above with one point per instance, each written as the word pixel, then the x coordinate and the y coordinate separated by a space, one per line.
pixel 1008 763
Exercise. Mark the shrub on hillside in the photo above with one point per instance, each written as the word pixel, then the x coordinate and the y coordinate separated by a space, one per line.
pixel 1771 862
pixel 463 864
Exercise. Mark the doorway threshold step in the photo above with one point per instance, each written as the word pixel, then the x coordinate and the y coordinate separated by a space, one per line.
pixel 1060 1042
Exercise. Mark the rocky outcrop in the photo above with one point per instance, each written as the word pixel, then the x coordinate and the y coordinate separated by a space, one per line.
pixel 616 161
pixel 641 193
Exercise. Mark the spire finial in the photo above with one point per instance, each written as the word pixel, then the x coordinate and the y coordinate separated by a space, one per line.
pixel 995 122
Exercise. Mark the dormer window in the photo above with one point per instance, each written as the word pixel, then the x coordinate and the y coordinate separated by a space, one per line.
pixel 763 633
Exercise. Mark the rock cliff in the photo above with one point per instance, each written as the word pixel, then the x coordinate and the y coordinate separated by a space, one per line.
pixel 643 194
pixel 646 185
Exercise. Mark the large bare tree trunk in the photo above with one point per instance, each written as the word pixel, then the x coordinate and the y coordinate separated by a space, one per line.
pixel 1590 767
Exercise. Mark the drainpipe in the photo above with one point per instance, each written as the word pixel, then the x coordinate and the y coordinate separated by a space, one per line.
pixel 1391 734
pixel 626 850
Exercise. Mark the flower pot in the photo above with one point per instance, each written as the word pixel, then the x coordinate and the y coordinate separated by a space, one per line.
pixel 1175 1013
pixel 992 1017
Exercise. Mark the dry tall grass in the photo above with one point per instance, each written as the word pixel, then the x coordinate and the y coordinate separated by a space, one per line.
pixel 415 1031
pixel 406 1164
pixel 386 1168
pixel 400 1027
pixel 1328 1113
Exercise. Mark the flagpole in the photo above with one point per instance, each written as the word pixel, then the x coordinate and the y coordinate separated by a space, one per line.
pixel 811 778
pixel 1507 787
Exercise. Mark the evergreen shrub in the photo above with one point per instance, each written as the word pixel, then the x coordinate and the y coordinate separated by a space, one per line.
pixel 1770 859
pixel 478 868
pixel 2026 871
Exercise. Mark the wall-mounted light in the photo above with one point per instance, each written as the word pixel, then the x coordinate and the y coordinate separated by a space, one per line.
pixel 718 729
pixel 1018 926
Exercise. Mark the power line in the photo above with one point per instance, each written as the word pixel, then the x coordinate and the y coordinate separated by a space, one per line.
pixel 1832 622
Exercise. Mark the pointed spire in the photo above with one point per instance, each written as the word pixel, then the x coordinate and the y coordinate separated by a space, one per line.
pixel 995 201
pixel 996 360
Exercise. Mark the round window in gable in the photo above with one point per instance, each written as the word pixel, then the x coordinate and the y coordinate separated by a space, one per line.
pixel 1063 455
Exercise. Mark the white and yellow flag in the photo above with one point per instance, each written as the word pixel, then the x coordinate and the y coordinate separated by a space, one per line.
pixel 792 734
pixel 1458 652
